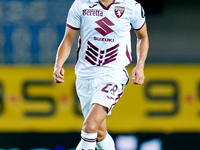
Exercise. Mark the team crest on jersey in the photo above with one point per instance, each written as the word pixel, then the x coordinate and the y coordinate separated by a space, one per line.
pixel 119 11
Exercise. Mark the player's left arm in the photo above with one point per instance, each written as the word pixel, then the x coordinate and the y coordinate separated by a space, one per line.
pixel 142 48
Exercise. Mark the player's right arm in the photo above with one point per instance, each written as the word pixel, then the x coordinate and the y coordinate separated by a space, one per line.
pixel 63 53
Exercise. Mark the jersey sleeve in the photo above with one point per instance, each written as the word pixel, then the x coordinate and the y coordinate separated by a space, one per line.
pixel 74 16
pixel 138 17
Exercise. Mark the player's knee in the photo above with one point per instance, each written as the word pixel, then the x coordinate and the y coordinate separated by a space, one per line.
pixel 90 126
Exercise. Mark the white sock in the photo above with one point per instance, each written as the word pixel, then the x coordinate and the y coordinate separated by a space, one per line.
pixel 88 141
pixel 106 144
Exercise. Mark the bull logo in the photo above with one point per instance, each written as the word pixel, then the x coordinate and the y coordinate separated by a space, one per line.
pixel 119 11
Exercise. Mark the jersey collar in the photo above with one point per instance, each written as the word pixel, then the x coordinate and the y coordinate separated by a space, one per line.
pixel 116 1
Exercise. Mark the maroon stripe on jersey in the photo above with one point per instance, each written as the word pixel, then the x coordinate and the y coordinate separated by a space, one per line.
pixel 108 61
pixel 111 53
pixel 127 54
pixel 92 51
pixel 72 27
pixel 91 56
pixel 78 50
pixel 89 60
pixel 91 45
pixel 114 47
pixel 112 56
pixel 140 27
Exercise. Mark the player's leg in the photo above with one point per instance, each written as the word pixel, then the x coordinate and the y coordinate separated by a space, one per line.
pixel 102 131
pixel 104 140
pixel 90 128
pixel 104 94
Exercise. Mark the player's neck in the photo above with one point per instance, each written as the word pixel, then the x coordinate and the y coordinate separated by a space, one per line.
pixel 106 3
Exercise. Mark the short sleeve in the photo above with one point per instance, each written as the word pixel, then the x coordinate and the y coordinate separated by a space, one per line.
pixel 74 16
pixel 138 17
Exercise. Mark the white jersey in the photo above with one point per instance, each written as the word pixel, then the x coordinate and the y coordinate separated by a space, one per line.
pixel 105 43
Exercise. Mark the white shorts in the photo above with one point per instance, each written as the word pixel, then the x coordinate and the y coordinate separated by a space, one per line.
pixel 105 90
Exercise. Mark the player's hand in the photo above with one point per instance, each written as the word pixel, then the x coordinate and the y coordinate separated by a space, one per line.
pixel 138 74
pixel 58 75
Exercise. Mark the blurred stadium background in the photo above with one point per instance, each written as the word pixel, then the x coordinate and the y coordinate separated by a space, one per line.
pixel 37 114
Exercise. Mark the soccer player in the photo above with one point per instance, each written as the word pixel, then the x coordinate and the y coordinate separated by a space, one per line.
pixel 103 53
